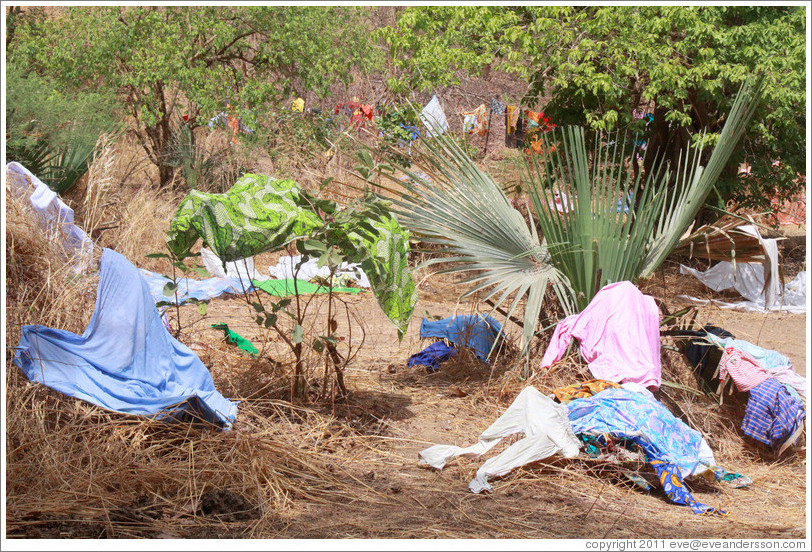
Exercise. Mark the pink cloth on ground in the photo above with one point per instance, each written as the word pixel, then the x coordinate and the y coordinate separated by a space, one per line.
pixel 743 368
pixel 619 333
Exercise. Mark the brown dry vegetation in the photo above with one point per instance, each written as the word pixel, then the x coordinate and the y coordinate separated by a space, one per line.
pixel 338 468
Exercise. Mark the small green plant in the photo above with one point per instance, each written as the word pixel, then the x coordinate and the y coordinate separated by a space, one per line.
pixel 200 167
pixel 264 214
pixel 52 134
pixel 181 268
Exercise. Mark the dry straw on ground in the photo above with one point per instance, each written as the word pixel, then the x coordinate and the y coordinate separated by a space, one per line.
pixel 74 469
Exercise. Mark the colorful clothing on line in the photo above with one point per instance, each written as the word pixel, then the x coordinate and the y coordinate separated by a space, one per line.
pixel 497 107
pixel 512 118
pixel 677 492
pixel 745 371
pixel 583 389
pixel 476 120
pixel 772 414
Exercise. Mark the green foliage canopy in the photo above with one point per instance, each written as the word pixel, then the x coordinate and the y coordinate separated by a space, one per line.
pixel 597 65
pixel 170 60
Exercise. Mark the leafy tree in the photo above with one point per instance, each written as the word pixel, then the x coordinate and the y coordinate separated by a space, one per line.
pixel 600 64
pixel 436 45
pixel 167 61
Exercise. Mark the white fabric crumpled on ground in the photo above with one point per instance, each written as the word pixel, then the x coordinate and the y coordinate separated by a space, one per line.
pixel 547 431
pixel 286 268
pixel 242 269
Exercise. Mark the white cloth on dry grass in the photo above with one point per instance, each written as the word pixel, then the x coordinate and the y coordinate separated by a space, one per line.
pixel 544 423
pixel 54 215
pixel 286 269
pixel 242 269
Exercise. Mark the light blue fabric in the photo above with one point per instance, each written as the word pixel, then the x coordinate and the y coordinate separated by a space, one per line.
pixel 125 360
pixel 474 331
pixel 202 290
pixel 768 358
pixel 640 418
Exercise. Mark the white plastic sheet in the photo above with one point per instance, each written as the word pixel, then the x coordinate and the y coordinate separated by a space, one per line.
pixel 434 118
pixel 748 280
pixel 286 268
pixel 242 269
pixel 544 423
pixel 762 294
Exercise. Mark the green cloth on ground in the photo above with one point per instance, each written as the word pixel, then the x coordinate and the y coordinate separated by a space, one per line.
pixel 256 214
pixel 237 339
pixel 284 287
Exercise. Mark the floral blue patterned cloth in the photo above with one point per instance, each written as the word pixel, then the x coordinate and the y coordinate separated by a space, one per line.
pixel 677 492
pixel 640 418
pixel 675 450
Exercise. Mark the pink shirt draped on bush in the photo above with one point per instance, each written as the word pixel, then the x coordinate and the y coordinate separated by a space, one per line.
pixel 619 333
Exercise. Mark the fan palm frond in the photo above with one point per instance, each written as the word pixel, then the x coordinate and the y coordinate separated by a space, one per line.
pixel 467 215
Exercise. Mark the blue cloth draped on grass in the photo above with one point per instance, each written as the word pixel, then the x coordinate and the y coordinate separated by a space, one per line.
pixel 640 418
pixel 125 360
pixel 474 331
pixel 432 356
pixel 772 414
pixel 202 290
pixel 669 444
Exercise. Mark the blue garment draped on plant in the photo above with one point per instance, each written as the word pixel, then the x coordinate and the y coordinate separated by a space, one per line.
pixel 474 331
pixel 125 360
